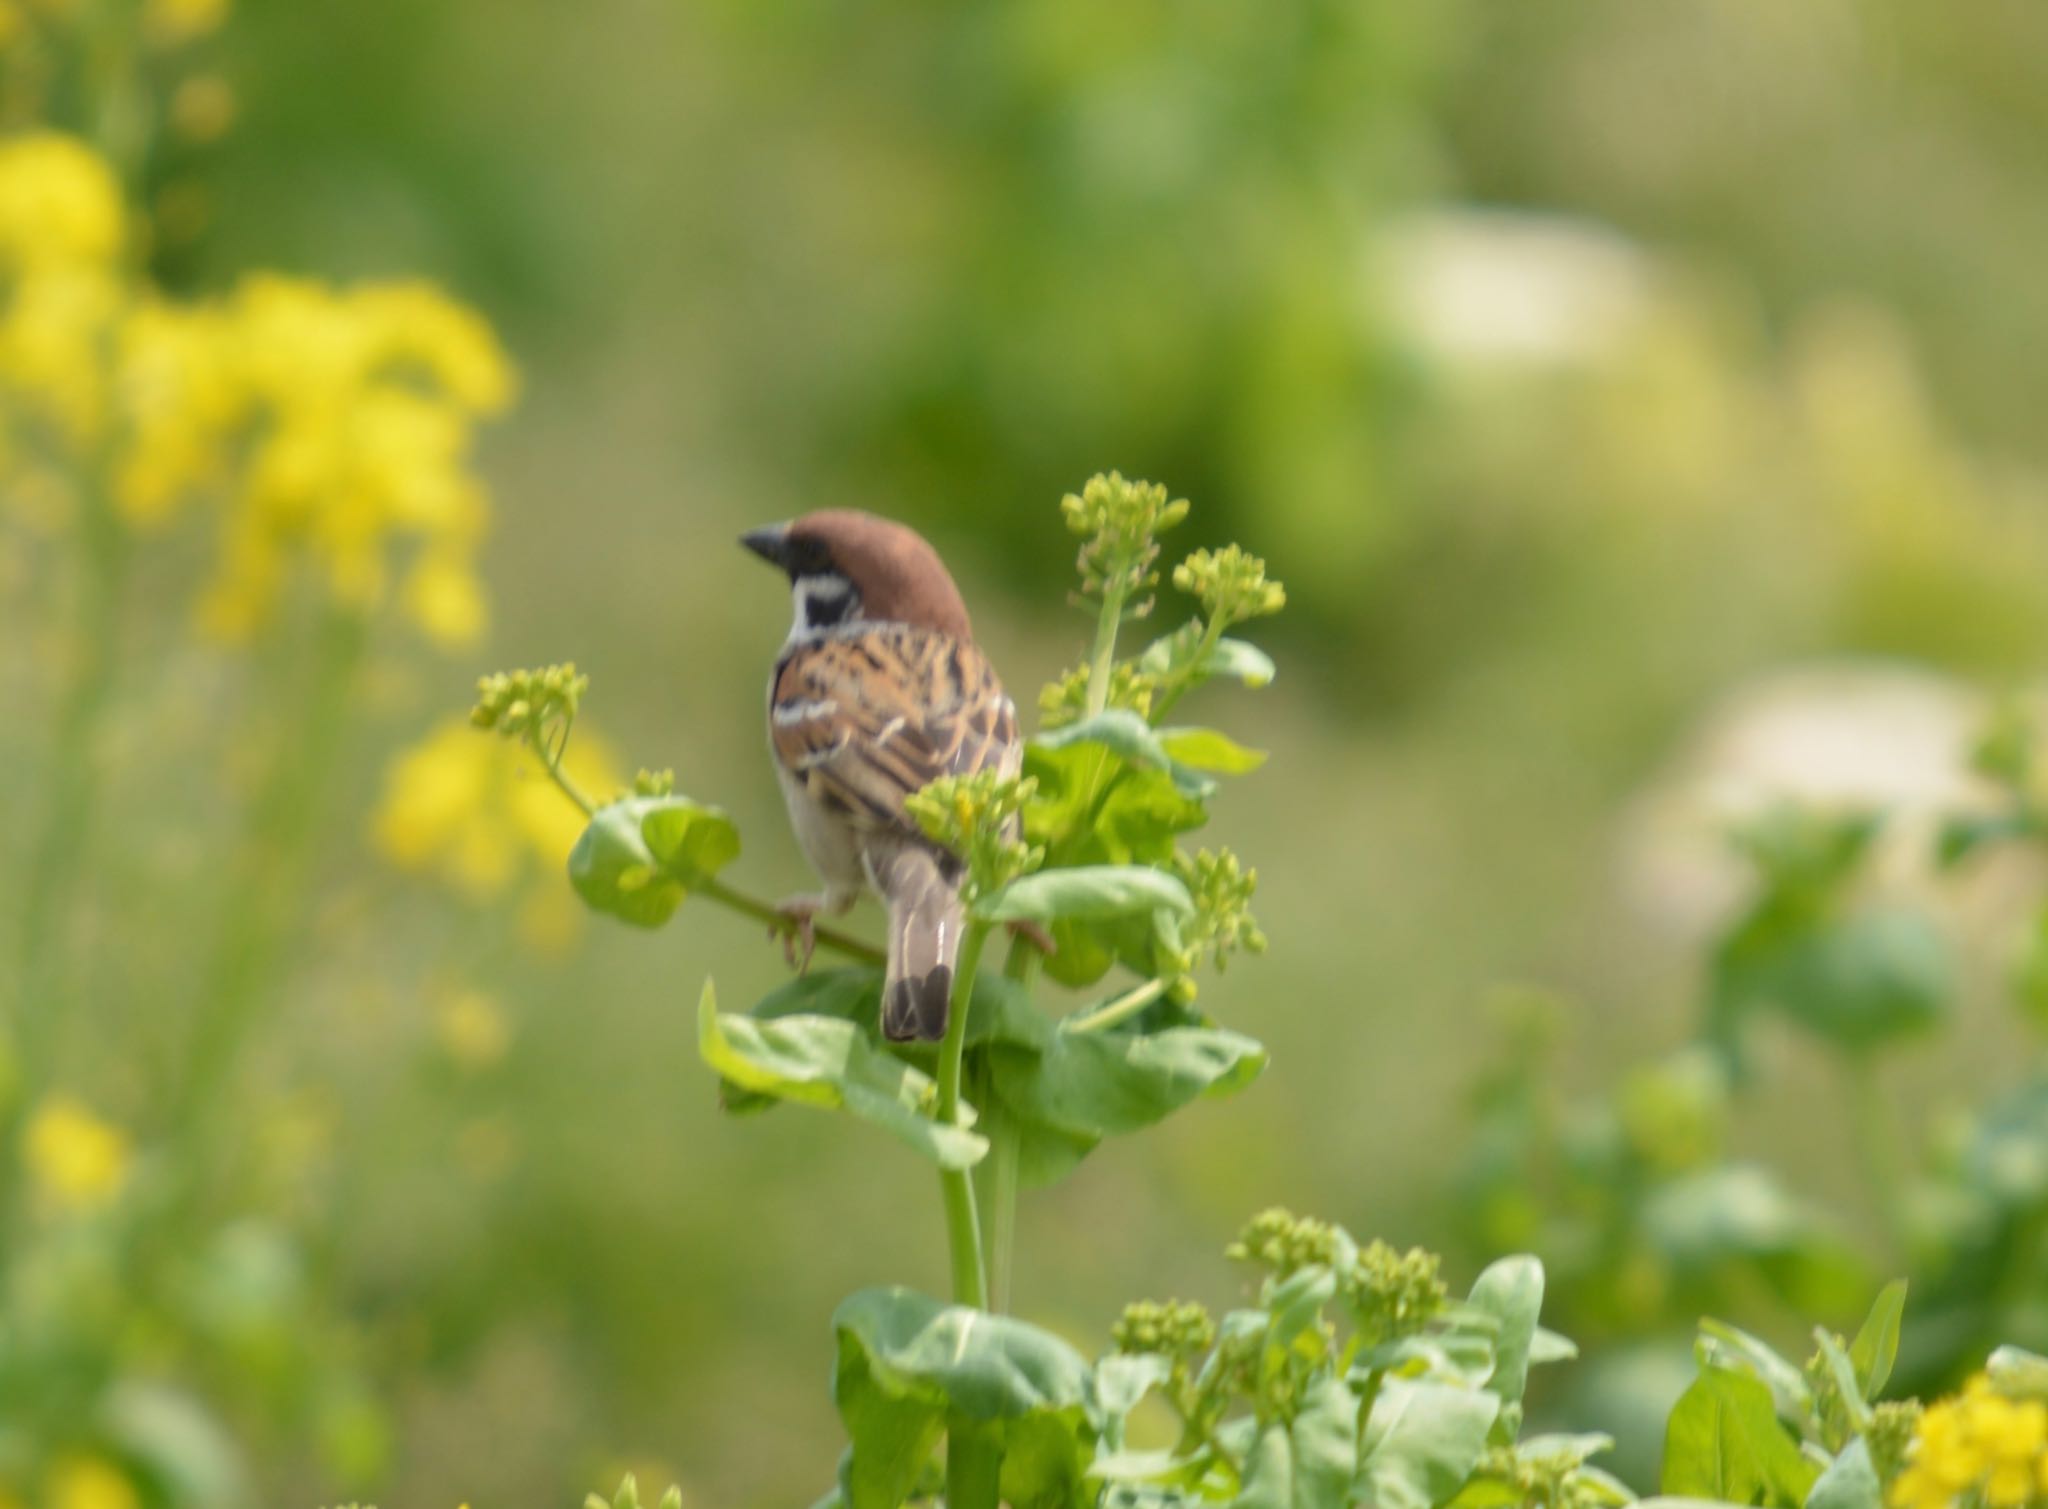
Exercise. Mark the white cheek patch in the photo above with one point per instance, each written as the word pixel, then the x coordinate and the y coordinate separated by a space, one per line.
pixel 822 601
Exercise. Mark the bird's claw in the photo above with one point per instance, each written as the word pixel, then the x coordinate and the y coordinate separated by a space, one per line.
pixel 798 931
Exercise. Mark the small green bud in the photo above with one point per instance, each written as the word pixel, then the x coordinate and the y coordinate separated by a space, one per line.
pixel 1065 698
pixel 534 706
pixel 1890 1434
pixel 1174 1329
pixel 979 818
pixel 1230 585
pixel 1395 1293
pixel 654 783
pixel 1221 889
pixel 1280 1240
pixel 1119 523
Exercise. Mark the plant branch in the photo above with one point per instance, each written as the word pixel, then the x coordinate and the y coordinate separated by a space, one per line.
pixel 963 1231
pixel 1121 1009
pixel 1190 673
pixel 1103 658
pixel 710 888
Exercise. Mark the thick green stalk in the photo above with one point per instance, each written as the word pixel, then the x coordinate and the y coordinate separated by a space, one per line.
pixel 1103 659
pixel 998 1196
pixel 963 1231
pixel 973 1458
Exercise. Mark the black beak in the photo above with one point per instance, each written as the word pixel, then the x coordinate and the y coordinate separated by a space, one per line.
pixel 770 542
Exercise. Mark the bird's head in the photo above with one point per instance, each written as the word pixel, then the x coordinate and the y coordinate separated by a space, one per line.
pixel 844 566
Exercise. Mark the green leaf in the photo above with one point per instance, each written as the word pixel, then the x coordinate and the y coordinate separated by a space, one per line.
pixel 1876 1346
pixel 1848 1482
pixel 1093 893
pixel 1130 736
pixel 1232 658
pixel 830 1063
pixel 908 1364
pixel 1836 1360
pixel 1206 749
pixel 1081 1087
pixel 1422 1441
pixel 641 856
pixel 1724 1346
pixel 1511 1290
pixel 1121 1381
pixel 1723 1441
pixel 1547 1346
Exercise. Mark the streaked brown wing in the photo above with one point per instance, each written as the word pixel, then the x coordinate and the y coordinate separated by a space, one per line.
pixel 868 718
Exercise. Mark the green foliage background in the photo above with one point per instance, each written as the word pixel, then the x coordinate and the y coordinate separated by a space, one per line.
pixel 757 258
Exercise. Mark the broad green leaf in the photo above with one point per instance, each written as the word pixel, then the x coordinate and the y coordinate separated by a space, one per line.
pixel 1129 735
pixel 1876 1346
pixel 831 1063
pixel 1511 1290
pixel 1725 1346
pixel 1463 1357
pixel 640 856
pixel 893 1432
pixel 1083 1086
pixel 1848 1482
pixel 1206 749
pixel 1268 1472
pixel 1323 1441
pixel 1422 1441
pixel 1094 893
pixel 1232 658
pixel 1723 1441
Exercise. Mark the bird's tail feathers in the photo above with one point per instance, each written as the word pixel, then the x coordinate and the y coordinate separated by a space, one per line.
pixel 925 923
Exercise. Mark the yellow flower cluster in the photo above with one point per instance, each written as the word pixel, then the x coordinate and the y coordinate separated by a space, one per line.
pixel 1978 1446
pixel 77 1162
pixel 331 425
pixel 479 815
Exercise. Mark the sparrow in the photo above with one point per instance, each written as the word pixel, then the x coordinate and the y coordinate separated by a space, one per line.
pixel 878 691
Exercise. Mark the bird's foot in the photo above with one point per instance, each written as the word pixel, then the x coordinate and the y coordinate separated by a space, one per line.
pixel 797 926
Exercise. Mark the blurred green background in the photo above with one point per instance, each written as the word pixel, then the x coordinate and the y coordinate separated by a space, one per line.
pixel 1641 404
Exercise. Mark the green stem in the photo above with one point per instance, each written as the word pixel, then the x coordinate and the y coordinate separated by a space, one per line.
pixel 1103 659
pixel 998 1194
pixel 963 1231
pixel 1191 672
pixel 68 807
pixel 265 899
pixel 713 889
pixel 1121 1009
pixel 973 1456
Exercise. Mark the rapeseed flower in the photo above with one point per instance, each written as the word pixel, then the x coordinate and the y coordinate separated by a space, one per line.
pixel 1977 1447
pixel 77 1162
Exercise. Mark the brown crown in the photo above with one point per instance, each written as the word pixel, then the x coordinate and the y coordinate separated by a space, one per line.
pixel 899 576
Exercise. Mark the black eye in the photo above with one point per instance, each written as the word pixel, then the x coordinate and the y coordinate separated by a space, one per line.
pixel 807 556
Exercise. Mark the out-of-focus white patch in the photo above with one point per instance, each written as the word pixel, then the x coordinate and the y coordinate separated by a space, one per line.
pixel 1843 736
pixel 1509 287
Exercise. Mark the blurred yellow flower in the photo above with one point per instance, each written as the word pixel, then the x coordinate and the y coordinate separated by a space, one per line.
pixel 321 425
pixel 90 1483
pixel 473 1030
pixel 77 1161
pixel 59 203
pixel 203 108
pixel 1978 1442
pixel 479 814
pixel 173 21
